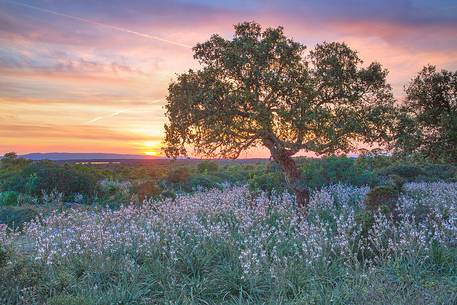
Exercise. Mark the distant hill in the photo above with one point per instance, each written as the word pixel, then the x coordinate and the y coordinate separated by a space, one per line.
pixel 84 156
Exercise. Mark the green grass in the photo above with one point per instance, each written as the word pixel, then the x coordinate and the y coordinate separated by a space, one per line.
pixel 211 274
pixel 210 269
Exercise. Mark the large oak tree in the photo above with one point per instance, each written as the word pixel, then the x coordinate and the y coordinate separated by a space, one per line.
pixel 262 88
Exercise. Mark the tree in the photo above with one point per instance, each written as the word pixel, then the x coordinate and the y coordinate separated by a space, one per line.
pixel 261 89
pixel 10 162
pixel 428 120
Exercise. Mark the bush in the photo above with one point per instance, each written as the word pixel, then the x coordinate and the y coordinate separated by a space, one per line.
pixel 440 171
pixel 146 189
pixel 333 170
pixel 407 171
pixel 204 182
pixel 207 166
pixel 268 182
pixel 396 182
pixel 178 175
pixel 113 193
pixel 16 217
pixel 8 198
pixel 47 176
pixel 382 197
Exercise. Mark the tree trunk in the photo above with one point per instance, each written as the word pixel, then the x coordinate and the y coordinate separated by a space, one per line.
pixel 292 175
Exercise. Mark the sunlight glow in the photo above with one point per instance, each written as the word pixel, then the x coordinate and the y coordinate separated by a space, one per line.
pixel 151 143
pixel 152 153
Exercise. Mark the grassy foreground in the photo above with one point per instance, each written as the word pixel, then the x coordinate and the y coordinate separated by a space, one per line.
pixel 236 247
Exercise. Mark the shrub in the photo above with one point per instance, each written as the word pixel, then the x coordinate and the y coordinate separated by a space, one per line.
pixel 396 182
pixel 207 166
pixel 268 182
pixel 16 217
pixel 382 197
pixel 204 182
pixel 4 255
pixel 26 199
pixel 8 198
pixel 407 171
pixel 146 189
pixel 47 176
pixel 333 170
pixel 113 193
pixel 179 175
pixel 440 171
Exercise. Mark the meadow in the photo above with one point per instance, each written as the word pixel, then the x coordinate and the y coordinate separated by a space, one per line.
pixel 242 243
pixel 370 219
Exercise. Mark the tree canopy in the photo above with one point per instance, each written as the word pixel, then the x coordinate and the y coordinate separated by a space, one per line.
pixel 263 88
pixel 428 118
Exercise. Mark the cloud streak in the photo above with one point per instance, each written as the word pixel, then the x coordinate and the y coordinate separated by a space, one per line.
pixel 100 24
pixel 99 118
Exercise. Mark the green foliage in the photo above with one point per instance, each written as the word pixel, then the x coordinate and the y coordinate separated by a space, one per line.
pixel 408 171
pixel 268 182
pixel 260 88
pixel 21 279
pixel 178 175
pixel 383 198
pixel 68 299
pixel 46 176
pixel 10 163
pixel 205 181
pixel 332 170
pixel 365 218
pixel 29 183
pixel 428 121
pixel 146 189
pixel 15 217
pixel 440 171
pixel 396 182
pixel 419 171
pixel 373 159
pixel 168 194
pixel 207 166
pixel 8 198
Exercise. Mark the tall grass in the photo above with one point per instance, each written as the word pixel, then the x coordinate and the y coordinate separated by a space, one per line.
pixel 231 247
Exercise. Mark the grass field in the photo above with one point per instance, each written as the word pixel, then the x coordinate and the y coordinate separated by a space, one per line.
pixel 235 247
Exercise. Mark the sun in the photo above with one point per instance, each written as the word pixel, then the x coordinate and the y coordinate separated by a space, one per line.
pixel 151 153
pixel 151 148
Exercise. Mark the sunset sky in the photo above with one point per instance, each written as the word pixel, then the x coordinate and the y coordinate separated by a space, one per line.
pixel 92 75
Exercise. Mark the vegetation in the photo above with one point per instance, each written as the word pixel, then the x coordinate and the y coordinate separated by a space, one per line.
pixel 260 89
pixel 428 126
pixel 230 247
pixel 380 228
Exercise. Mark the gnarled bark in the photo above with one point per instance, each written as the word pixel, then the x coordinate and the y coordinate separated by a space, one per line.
pixel 291 173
